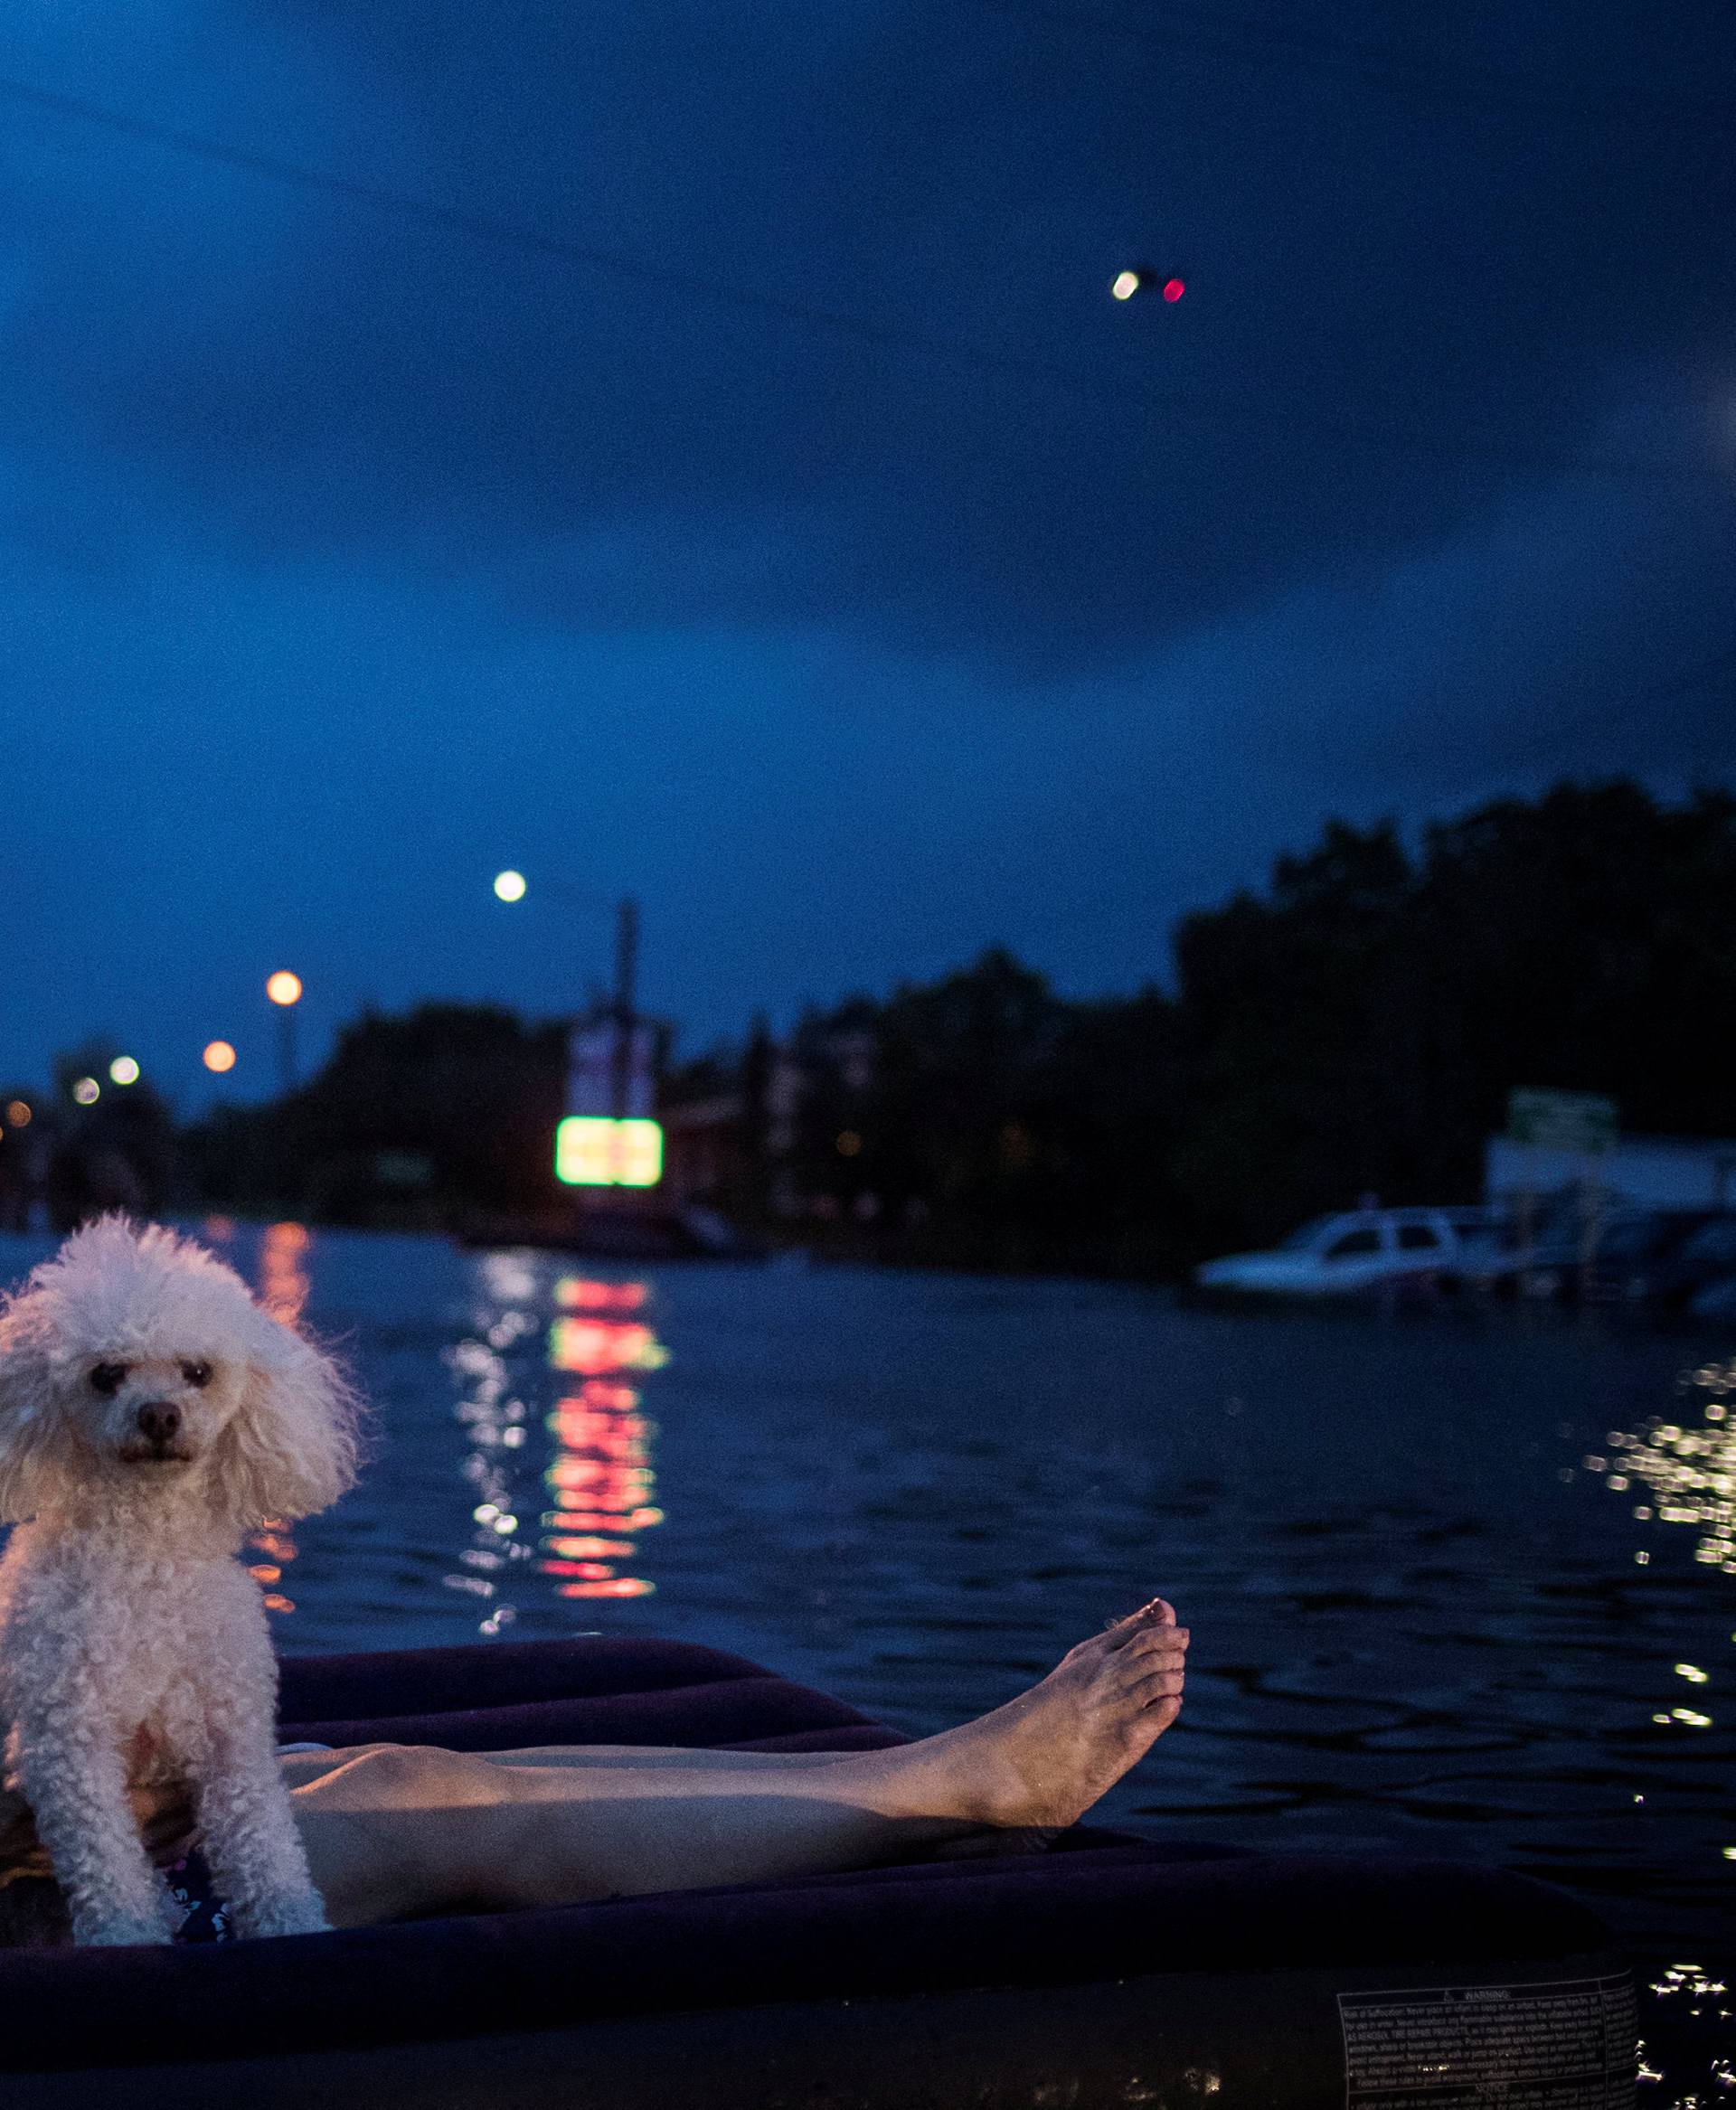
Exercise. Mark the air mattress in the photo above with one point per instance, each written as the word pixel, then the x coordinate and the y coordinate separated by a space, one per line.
pixel 1107 1970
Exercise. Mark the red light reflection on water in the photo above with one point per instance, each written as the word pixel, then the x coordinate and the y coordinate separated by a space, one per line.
pixel 283 1288
pixel 573 1294
pixel 593 1347
pixel 599 1476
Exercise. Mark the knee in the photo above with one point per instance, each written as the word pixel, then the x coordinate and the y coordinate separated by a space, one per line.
pixel 405 1776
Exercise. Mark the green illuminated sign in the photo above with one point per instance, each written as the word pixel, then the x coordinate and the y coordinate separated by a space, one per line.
pixel 591 1151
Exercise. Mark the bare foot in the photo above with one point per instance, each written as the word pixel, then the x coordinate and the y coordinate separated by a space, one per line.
pixel 1045 1758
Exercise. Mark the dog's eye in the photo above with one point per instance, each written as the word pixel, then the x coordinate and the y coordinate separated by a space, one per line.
pixel 196 1373
pixel 108 1378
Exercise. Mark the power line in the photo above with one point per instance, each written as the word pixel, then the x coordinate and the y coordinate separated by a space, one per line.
pixel 1431 76
pixel 944 351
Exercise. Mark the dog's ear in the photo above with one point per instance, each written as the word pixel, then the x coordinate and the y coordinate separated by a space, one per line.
pixel 290 1446
pixel 28 1417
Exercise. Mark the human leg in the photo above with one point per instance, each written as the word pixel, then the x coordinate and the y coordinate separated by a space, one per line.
pixel 395 1831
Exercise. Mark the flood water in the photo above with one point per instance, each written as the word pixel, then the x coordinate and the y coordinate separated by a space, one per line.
pixel 1462 1588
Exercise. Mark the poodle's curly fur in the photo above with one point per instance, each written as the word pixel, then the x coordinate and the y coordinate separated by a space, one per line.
pixel 152 1414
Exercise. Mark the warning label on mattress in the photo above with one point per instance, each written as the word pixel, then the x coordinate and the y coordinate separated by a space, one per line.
pixel 1569 2045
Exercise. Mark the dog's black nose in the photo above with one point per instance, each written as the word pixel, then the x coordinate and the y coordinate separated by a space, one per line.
pixel 158 1420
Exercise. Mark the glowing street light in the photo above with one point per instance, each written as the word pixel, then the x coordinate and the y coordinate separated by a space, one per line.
pixel 283 987
pixel 123 1070
pixel 219 1057
pixel 17 1113
pixel 510 886
pixel 86 1091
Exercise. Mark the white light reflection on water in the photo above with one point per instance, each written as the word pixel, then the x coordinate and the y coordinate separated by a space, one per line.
pixel 1688 1467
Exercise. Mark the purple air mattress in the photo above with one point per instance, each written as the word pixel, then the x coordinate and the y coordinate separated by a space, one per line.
pixel 1107 1970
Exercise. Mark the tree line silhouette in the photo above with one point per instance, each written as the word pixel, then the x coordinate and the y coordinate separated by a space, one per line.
pixel 1353 1026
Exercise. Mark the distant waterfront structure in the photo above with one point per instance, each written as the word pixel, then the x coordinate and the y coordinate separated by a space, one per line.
pixel 1647 1172
pixel 609 1135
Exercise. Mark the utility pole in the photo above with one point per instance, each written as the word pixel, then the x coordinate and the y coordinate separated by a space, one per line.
pixel 627 950
pixel 284 989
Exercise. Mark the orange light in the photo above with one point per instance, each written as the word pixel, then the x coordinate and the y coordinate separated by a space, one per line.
pixel 621 1585
pixel 283 1285
pixel 220 1056
pixel 17 1113
pixel 283 987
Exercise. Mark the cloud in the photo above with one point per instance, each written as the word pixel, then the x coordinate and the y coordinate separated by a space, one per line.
pixel 348 557
pixel 1363 366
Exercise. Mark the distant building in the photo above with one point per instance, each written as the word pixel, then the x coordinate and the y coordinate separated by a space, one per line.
pixel 747 1144
pixel 701 1144
pixel 1646 1171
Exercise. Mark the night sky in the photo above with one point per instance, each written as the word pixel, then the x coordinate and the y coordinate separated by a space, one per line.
pixel 724 475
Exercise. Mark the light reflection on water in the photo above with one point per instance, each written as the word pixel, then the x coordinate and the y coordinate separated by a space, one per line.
pixel 1426 1615
pixel 566 1520
pixel 600 1480
pixel 281 1283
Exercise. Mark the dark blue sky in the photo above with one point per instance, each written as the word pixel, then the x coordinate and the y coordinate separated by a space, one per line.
pixel 348 555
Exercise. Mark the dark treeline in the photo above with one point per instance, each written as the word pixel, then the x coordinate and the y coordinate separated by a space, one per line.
pixel 415 1122
pixel 1353 1028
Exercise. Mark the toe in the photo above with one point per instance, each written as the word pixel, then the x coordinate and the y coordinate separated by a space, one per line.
pixel 1165 1684
pixel 1163 1641
pixel 1155 1617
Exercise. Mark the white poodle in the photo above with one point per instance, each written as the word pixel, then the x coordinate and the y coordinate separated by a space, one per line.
pixel 151 1413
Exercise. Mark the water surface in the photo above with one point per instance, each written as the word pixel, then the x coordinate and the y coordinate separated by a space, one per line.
pixel 1456 1587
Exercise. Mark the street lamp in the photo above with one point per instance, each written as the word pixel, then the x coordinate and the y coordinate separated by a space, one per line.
pixel 284 989
pixel 123 1070
pixel 219 1058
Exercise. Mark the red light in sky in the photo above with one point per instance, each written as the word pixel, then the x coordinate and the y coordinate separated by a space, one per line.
pixel 1173 290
